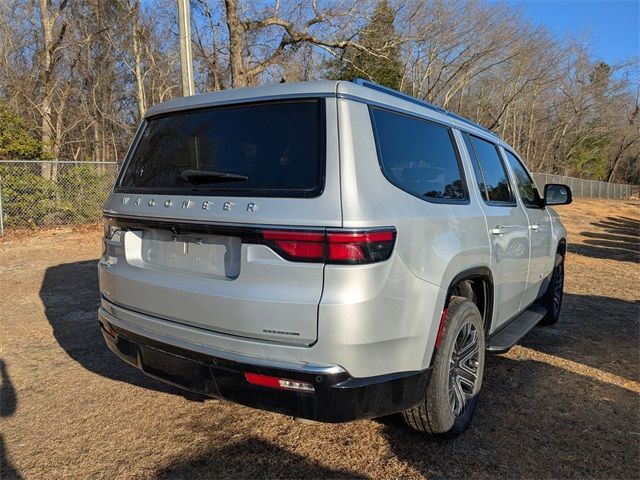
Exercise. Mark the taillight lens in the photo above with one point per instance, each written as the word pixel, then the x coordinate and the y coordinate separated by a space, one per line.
pixel 296 245
pixel 360 247
pixel 350 247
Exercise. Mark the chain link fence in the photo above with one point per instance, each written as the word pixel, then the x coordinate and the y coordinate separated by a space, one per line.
pixel 36 194
pixel 585 188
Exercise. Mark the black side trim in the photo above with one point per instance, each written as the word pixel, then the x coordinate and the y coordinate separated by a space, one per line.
pixel 502 340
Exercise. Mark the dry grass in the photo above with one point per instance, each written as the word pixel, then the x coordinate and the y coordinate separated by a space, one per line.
pixel 565 403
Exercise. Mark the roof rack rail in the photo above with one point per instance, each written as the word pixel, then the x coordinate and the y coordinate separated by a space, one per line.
pixel 422 103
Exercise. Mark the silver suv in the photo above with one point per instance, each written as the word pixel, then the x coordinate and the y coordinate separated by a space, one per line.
pixel 328 250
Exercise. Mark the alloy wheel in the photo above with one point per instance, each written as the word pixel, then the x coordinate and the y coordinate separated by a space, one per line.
pixel 463 368
pixel 558 287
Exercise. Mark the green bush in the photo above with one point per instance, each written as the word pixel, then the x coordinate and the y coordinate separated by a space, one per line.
pixel 16 141
pixel 84 191
pixel 75 197
pixel 27 198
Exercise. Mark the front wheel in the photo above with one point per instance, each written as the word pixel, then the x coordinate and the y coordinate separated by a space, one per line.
pixel 452 393
pixel 552 299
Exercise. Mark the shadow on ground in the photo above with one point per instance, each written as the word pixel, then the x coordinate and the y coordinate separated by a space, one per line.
pixel 535 419
pixel 252 458
pixel 617 238
pixel 596 331
pixel 71 297
pixel 8 404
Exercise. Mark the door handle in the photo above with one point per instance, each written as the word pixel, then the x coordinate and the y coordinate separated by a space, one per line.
pixel 498 230
pixel 535 227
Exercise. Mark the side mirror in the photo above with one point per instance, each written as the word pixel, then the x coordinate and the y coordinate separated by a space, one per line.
pixel 556 194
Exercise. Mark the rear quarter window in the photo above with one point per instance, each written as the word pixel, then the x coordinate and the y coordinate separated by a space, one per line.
pixel 418 156
pixel 261 149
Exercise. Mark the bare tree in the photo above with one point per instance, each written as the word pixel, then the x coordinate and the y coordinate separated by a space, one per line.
pixel 54 28
pixel 82 73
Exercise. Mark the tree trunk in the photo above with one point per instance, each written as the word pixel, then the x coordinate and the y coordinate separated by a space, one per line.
pixel 47 67
pixel 46 137
pixel 137 54
pixel 236 44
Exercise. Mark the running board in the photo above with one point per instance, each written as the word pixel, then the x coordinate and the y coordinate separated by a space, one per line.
pixel 508 336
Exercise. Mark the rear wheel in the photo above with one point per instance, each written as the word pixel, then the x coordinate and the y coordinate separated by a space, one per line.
pixel 552 299
pixel 465 290
pixel 456 378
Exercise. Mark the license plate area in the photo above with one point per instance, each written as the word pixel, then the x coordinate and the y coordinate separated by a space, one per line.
pixel 214 256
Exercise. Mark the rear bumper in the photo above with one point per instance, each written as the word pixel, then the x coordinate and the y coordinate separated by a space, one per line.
pixel 338 397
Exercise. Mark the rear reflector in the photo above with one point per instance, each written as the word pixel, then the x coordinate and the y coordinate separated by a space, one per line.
pixel 109 331
pixel 443 320
pixel 278 383
pixel 332 246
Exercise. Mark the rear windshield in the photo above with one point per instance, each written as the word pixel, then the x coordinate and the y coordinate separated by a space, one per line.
pixel 264 149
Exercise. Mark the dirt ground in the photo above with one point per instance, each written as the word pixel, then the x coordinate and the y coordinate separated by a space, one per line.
pixel 565 403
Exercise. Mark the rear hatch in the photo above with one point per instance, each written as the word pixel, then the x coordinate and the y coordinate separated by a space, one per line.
pixel 195 222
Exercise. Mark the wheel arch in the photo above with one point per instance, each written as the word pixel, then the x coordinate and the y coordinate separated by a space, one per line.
pixel 562 247
pixel 481 281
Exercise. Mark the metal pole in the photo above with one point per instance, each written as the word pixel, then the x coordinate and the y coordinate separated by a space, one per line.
pixel 186 61
pixel 1 219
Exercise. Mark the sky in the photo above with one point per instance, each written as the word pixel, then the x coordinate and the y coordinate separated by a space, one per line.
pixel 613 26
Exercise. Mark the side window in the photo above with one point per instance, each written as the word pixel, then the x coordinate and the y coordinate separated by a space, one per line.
pixel 526 185
pixel 418 156
pixel 476 166
pixel 490 171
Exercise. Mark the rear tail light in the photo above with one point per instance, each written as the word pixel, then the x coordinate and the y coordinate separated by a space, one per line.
pixel 300 246
pixel 350 247
pixel 360 247
pixel 278 383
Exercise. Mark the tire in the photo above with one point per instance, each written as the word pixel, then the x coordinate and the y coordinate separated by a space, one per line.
pixel 464 290
pixel 451 397
pixel 552 299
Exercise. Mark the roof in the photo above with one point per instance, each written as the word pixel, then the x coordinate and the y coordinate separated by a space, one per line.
pixel 320 88
pixel 359 90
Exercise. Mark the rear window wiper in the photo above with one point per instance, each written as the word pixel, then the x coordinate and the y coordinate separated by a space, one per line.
pixel 209 176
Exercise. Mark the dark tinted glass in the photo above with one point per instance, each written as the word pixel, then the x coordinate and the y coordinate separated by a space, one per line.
pixel 526 185
pixel 496 183
pixel 418 156
pixel 476 165
pixel 278 147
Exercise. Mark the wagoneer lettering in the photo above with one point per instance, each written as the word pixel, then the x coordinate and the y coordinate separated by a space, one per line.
pixel 329 250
